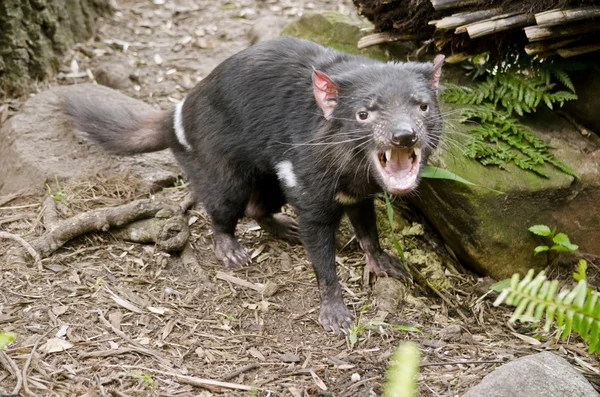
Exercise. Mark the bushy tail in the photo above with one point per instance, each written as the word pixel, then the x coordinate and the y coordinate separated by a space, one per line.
pixel 117 129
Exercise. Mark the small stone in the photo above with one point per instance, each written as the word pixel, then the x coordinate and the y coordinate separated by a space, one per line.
pixel 247 13
pixel 452 333
pixel 355 377
pixel 113 74
pixel 389 293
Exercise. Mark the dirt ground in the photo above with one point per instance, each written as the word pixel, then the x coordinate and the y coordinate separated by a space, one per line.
pixel 134 321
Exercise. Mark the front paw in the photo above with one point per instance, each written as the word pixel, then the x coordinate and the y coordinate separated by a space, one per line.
pixel 385 265
pixel 335 316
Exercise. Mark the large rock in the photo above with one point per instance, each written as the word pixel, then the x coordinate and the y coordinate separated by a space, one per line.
pixel 342 32
pixel 538 375
pixel 488 231
pixel 587 86
pixel 39 143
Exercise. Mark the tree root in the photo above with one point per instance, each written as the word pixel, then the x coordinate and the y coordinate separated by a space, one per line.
pixel 169 235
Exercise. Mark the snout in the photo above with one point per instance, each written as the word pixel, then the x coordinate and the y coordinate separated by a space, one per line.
pixel 404 137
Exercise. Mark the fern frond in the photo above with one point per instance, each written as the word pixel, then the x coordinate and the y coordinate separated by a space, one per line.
pixel 500 138
pixel 577 309
pixel 563 77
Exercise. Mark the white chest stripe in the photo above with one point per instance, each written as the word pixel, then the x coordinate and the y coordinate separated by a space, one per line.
pixel 177 124
pixel 285 173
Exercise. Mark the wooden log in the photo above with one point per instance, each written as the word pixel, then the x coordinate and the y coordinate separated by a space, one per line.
pixel 500 25
pixel 456 58
pixel 386 37
pixel 463 28
pixel 549 45
pixel 559 17
pixel 448 4
pixel 537 33
pixel 463 18
pixel 573 51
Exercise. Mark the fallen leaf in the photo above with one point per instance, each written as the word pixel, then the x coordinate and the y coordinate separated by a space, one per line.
pixel 528 339
pixel 62 331
pixel 157 310
pixel 54 345
pixel 318 381
pixel 256 354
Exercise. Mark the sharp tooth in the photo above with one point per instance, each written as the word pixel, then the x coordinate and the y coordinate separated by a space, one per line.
pixel 388 154
pixel 417 151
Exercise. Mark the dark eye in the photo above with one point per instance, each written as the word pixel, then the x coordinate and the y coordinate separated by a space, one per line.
pixel 362 115
pixel 424 107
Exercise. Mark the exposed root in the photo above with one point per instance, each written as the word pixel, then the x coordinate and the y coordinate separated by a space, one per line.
pixel 30 250
pixel 97 220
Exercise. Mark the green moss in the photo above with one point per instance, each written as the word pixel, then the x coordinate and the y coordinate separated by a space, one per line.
pixel 341 32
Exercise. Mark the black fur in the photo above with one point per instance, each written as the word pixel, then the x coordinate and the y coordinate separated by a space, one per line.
pixel 257 109
pixel 117 129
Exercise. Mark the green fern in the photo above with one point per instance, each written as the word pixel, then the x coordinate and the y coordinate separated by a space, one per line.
pixel 512 87
pixel 574 310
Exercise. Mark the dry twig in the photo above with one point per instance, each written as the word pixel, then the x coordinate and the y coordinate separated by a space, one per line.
pixel 12 367
pixel 30 250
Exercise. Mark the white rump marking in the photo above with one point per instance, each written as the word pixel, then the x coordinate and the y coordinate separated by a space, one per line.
pixel 285 173
pixel 179 132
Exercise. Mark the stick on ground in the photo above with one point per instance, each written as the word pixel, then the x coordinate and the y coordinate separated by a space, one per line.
pixel 94 221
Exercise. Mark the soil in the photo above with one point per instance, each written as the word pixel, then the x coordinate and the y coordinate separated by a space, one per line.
pixel 134 321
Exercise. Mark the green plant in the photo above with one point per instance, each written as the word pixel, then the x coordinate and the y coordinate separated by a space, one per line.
pixel 59 194
pixel 143 376
pixel 561 240
pixel 575 310
pixel 6 338
pixel 517 84
pixel 401 375
pixel 390 215
pixel 358 327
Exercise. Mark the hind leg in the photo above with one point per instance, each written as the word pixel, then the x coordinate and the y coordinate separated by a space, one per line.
pixel 225 204
pixel 265 206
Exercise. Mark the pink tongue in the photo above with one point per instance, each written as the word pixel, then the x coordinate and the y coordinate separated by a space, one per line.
pixel 400 163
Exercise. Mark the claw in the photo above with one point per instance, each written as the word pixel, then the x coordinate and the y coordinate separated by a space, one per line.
pixel 229 251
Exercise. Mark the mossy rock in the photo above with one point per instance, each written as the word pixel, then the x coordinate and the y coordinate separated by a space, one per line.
pixel 489 231
pixel 332 29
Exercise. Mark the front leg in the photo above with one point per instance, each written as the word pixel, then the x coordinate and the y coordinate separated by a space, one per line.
pixel 363 219
pixel 318 235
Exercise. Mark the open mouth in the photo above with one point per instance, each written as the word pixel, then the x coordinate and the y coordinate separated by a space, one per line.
pixel 399 168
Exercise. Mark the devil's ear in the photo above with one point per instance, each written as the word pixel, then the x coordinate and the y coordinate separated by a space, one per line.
pixel 325 92
pixel 438 61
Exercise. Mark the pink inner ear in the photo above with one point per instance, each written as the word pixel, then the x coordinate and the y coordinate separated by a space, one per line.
pixel 438 61
pixel 325 93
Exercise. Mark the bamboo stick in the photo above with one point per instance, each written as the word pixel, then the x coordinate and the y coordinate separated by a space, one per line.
pixel 386 37
pixel 463 18
pixel 545 46
pixel 494 26
pixel 573 51
pixel 537 33
pixel 448 4
pixel 463 28
pixel 558 17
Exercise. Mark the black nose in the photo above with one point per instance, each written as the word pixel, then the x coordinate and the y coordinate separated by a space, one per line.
pixel 404 138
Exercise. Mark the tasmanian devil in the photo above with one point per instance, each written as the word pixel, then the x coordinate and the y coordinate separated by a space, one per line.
pixel 289 121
